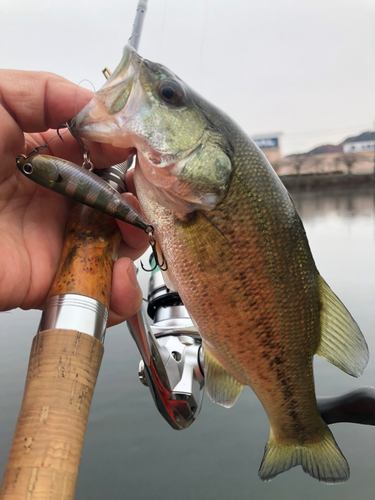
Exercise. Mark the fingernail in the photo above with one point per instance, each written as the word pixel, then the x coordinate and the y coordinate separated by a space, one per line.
pixel 132 276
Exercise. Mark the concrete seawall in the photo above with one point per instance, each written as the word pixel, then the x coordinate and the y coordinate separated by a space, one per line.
pixel 332 180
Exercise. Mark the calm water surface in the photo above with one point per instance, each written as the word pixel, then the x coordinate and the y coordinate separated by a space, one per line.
pixel 130 452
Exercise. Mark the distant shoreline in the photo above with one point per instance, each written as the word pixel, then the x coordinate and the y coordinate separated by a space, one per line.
pixel 331 180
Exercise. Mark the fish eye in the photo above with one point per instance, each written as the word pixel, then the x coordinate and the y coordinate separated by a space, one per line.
pixel 27 168
pixel 171 92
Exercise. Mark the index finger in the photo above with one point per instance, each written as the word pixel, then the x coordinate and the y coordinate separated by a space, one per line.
pixel 33 101
pixel 38 100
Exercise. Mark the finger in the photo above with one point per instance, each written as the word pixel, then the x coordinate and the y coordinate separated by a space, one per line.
pixel 131 252
pixel 135 241
pixel 126 294
pixel 33 101
pixel 66 148
pixel 130 181
pixel 11 144
pixel 38 101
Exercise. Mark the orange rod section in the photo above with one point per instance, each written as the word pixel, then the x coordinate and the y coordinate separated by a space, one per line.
pixel 90 249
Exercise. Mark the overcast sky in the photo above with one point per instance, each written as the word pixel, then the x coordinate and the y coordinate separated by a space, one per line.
pixel 305 68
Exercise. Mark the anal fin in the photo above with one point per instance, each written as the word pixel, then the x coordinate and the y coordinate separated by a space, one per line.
pixel 342 342
pixel 221 387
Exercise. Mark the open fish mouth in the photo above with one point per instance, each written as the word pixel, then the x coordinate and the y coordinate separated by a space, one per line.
pixel 92 123
pixel 96 121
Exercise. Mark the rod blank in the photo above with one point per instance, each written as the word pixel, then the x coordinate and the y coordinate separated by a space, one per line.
pixel 138 24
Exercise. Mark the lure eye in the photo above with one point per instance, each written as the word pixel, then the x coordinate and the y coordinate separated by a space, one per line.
pixel 170 92
pixel 27 168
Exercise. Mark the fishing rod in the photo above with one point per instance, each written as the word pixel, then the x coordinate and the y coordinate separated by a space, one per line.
pixel 66 354
pixel 135 37
pixel 64 364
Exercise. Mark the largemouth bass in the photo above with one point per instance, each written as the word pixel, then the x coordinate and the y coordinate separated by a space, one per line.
pixel 238 255
pixel 76 182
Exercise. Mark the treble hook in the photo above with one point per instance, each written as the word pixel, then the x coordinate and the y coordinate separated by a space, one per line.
pixel 163 266
pixel 85 151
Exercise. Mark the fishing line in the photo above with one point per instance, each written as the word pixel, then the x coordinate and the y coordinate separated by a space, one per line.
pixel 75 96
pixel 71 122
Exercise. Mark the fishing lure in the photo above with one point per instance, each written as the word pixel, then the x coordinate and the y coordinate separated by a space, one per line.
pixel 71 180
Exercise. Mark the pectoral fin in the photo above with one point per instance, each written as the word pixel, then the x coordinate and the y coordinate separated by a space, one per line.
pixel 342 342
pixel 205 241
pixel 221 387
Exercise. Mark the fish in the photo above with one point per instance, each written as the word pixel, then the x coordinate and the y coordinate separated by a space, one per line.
pixel 238 255
pixel 69 179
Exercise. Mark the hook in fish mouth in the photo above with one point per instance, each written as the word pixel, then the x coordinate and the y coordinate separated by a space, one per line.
pixel 97 120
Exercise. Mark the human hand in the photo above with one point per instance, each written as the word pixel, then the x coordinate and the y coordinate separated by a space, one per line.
pixel 32 218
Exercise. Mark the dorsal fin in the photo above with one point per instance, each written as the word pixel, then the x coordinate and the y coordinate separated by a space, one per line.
pixel 342 342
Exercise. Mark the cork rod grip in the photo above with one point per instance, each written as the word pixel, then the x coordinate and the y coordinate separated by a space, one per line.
pixel 47 444
pixel 63 367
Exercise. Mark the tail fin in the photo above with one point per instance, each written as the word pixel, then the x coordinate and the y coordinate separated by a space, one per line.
pixel 323 460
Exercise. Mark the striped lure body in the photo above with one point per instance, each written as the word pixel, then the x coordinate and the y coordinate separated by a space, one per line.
pixel 76 182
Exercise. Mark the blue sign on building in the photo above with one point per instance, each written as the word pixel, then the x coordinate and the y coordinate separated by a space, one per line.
pixel 267 142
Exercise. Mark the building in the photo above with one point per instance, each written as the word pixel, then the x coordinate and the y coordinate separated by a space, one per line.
pixel 357 147
pixel 270 145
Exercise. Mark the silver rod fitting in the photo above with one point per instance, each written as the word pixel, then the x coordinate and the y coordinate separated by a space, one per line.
pixel 75 312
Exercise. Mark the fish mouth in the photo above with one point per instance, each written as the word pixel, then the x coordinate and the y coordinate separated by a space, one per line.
pixel 91 124
pixel 96 121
